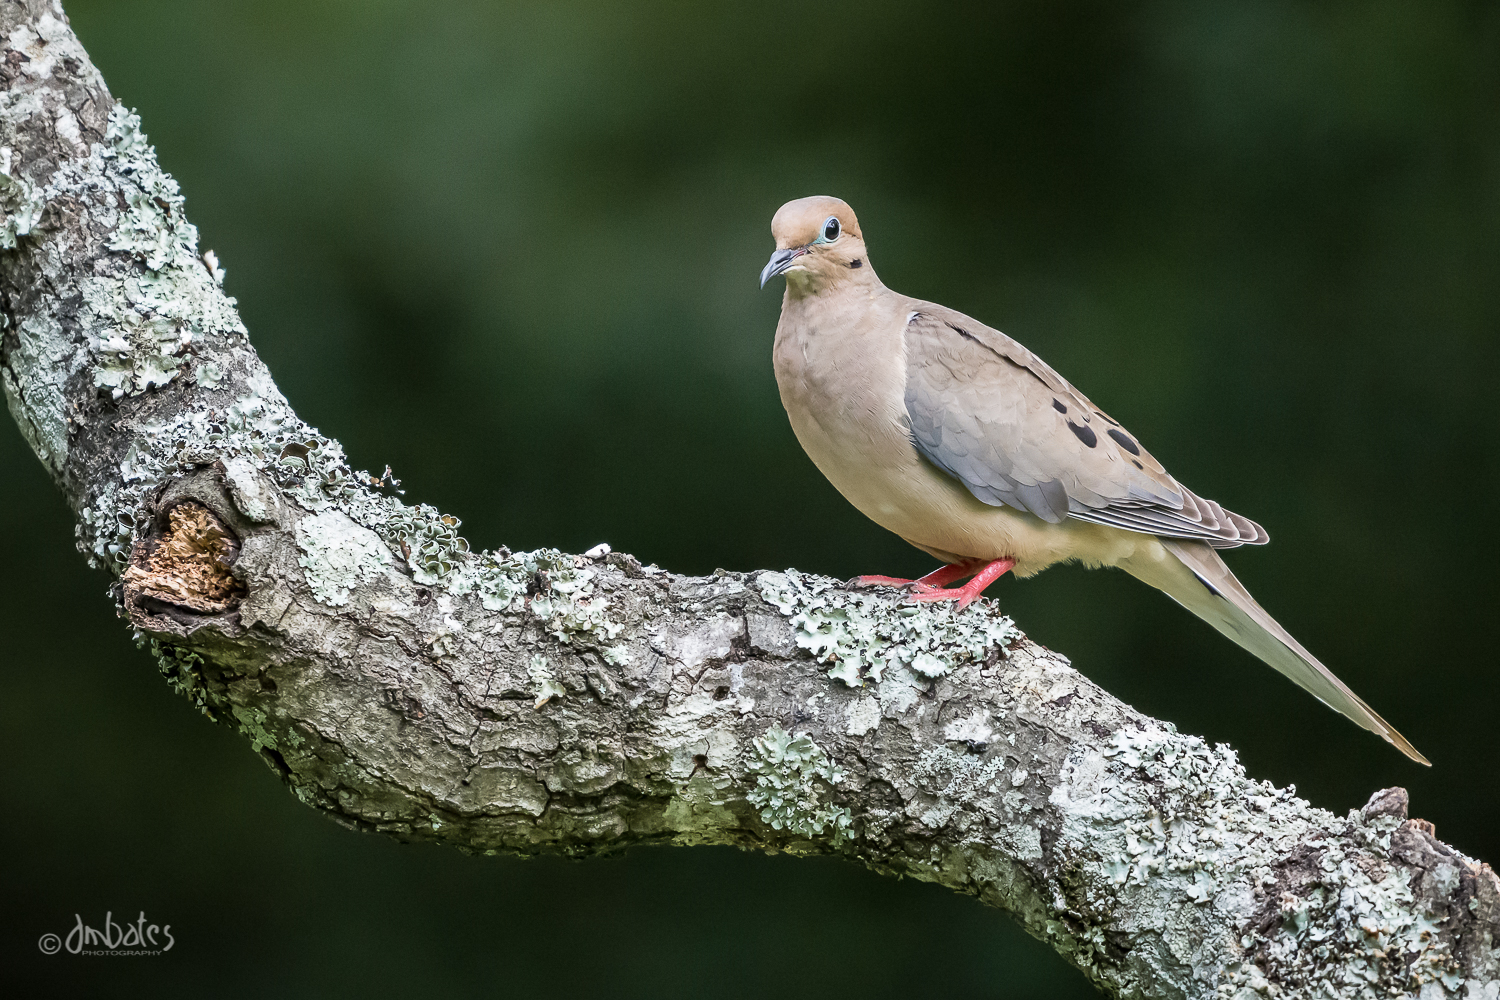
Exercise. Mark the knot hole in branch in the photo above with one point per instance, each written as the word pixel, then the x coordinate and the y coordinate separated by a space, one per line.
pixel 186 561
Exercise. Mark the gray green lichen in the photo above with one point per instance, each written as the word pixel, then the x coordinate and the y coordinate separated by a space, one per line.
pixel 547 687
pixel 787 770
pixel 183 669
pixel 151 320
pixel 861 634
pixel 20 201
pixel 338 556
pixel 253 726
pixel 1181 830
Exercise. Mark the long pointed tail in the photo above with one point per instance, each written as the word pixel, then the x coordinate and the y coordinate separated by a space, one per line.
pixel 1198 580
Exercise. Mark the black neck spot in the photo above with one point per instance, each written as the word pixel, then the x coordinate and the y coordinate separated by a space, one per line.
pixel 856 262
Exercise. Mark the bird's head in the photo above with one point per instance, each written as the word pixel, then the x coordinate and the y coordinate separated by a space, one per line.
pixel 818 243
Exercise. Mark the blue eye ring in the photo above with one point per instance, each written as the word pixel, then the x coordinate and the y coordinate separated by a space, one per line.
pixel 831 229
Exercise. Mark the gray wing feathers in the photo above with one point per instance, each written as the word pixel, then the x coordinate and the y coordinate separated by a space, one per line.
pixel 1198 519
pixel 989 413
pixel 959 444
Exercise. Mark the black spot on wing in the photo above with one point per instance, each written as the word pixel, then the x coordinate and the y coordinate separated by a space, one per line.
pixel 1106 419
pixel 1058 406
pixel 1124 441
pixel 1138 465
pixel 1084 434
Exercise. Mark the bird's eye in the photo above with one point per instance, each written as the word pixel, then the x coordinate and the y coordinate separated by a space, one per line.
pixel 831 229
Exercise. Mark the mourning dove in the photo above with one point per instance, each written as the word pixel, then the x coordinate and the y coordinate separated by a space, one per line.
pixel 967 445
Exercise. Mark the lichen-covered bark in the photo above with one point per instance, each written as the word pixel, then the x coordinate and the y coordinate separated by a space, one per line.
pixel 579 704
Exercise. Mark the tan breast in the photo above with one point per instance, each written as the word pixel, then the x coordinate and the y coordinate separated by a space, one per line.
pixel 840 366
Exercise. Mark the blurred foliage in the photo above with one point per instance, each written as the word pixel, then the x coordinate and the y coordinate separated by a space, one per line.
pixel 511 249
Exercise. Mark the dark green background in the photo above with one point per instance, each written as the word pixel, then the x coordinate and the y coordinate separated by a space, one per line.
pixel 512 250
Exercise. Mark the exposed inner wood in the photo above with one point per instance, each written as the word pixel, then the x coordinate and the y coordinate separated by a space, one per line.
pixel 189 564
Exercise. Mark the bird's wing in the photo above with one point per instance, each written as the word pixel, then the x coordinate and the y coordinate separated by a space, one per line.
pixel 993 415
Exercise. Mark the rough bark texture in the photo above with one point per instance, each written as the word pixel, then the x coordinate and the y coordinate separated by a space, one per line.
pixel 580 704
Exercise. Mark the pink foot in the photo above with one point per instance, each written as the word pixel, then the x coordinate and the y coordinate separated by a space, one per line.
pixel 938 577
pixel 969 592
pixel 881 581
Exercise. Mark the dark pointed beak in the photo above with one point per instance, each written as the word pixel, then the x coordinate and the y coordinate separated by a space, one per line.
pixel 780 261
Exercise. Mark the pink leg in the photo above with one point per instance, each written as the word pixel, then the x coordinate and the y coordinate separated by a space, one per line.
pixel 938 577
pixel 969 592
pixel 947 574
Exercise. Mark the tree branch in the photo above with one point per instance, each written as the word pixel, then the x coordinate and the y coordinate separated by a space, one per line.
pixel 540 701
